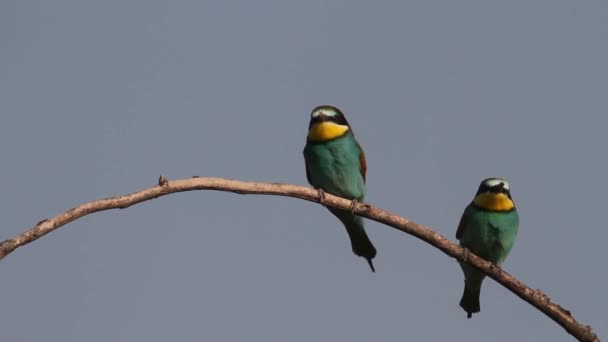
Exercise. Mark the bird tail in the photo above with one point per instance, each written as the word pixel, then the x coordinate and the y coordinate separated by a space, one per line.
pixel 470 299
pixel 361 244
pixel 359 240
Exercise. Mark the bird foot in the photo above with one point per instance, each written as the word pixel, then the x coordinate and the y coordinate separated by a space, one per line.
pixel 465 254
pixel 321 196
pixel 352 206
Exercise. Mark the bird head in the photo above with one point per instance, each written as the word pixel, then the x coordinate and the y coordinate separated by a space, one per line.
pixel 327 123
pixel 494 194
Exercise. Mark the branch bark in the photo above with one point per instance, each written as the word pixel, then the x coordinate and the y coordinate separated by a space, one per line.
pixel 536 298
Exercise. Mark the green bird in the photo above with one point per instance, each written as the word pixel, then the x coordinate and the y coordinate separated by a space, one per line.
pixel 487 228
pixel 335 163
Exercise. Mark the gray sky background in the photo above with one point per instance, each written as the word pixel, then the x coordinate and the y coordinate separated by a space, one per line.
pixel 97 98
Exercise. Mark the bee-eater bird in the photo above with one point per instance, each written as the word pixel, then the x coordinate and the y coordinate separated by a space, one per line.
pixel 335 163
pixel 487 228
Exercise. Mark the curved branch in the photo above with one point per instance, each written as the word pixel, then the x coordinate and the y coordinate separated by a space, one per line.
pixel 535 297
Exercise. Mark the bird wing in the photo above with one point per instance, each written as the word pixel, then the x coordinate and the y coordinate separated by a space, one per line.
pixel 306 152
pixel 362 163
pixel 461 225
pixel 308 175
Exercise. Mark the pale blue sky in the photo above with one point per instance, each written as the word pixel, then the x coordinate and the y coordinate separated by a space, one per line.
pixel 97 98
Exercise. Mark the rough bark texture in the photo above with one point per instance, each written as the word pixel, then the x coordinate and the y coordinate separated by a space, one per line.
pixel 536 298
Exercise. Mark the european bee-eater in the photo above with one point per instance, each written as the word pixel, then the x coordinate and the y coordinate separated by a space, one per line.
pixel 335 163
pixel 487 228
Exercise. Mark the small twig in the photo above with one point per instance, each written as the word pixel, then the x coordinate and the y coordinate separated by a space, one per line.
pixel 535 297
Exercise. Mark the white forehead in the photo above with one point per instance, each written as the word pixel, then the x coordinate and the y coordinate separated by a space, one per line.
pixel 324 111
pixel 492 182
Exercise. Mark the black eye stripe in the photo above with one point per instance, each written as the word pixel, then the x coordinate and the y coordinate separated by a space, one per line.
pixel 483 188
pixel 338 118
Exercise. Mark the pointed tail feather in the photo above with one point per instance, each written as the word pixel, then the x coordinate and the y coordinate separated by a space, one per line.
pixel 371 264
pixel 470 299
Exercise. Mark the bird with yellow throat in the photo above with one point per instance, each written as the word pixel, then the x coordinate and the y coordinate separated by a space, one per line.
pixel 335 163
pixel 488 228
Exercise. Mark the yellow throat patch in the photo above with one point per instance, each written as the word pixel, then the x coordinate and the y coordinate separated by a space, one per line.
pixel 327 130
pixel 494 202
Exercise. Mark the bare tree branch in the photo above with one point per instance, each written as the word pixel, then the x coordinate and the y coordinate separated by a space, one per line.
pixel 535 297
